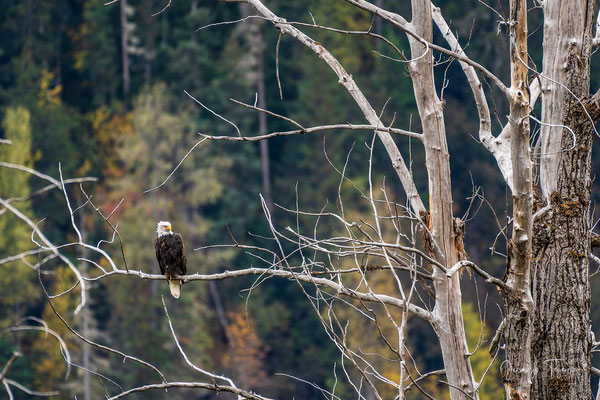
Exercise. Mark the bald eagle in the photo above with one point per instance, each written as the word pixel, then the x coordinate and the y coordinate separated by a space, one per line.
pixel 170 254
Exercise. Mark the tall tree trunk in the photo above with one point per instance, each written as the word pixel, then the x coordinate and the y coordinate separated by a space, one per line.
pixel 220 310
pixel 448 308
pixel 28 23
pixel 262 124
pixel 87 387
pixel 516 373
pixel 253 35
pixel 149 45
pixel 86 313
pixel 125 52
pixel 59 66
pixel 379 25
pixel 193 10
pixel 561 288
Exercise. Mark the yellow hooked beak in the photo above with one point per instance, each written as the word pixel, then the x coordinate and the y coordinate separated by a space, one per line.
pixel 168 228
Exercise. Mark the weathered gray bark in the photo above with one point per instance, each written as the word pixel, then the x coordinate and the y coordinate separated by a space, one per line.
pixel 448 309
pixel 86 331
pixel 561 290
pixel 87 319
pixel 516 372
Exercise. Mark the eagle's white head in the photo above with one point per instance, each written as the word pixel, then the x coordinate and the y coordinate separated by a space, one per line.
pixel 164 228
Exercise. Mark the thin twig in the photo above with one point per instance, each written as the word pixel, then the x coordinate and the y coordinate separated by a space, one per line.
pixel 214 113
pixel 163 9
pixel 185 357
pixel 97 345
pixel 29 391
pixel 269 113
pixel 277 65
pixel 9 364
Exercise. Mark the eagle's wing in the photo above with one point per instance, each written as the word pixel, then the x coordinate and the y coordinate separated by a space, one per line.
pixel 157 247
pixel 178 241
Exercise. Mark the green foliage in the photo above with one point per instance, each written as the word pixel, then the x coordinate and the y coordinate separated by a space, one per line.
pixel 477 336
pixel 17 128
pixel 51 369
pixel 22 370
pixel 97 50
pixel 17 277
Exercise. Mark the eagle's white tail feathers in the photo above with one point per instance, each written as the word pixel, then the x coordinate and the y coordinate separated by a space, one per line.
pixel 175 286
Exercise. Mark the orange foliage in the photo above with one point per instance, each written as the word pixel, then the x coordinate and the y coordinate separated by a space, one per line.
pixel 246 355
pixel 110 128
pixel 49 94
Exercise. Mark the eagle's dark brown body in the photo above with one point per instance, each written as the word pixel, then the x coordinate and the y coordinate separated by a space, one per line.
pixel 170 254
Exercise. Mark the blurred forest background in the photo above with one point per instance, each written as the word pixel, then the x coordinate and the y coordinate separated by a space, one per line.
pixel 100 89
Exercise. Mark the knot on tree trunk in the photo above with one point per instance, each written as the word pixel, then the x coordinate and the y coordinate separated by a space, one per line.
pixel 427 243
pixel 516 395
pixel 595 241
pixel 507 377
pixel 458 227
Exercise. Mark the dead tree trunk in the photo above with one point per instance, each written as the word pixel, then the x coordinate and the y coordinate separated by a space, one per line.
pixel 448 310
pixel 561 288
pixel 516 373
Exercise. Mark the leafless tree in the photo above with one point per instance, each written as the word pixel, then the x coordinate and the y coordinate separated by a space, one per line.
pixel 546 342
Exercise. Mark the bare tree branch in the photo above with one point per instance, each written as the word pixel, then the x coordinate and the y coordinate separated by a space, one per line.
pixel 488 278
pixel 188 362
pixel 314 129
pixel 338 288
pixel 346 80
pixel 209 386
pixel 49 246
pixel 64 350
pixel 7 382
pixel 398 21
pixel 9 364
